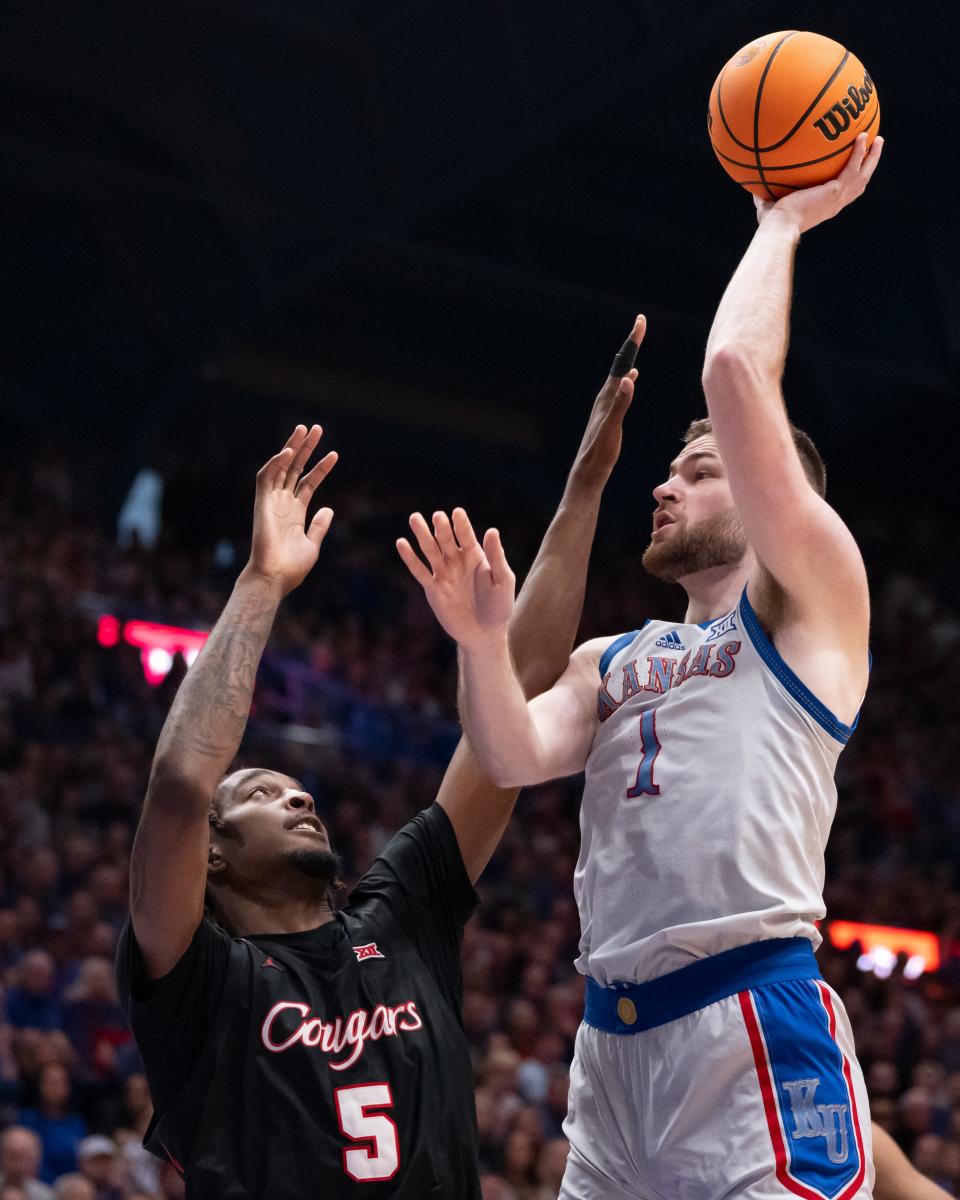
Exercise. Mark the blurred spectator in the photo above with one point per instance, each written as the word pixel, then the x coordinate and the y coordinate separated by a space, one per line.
pixel 59 1129
pixel 99 1162
pixel 550 1167
pixel 74 1187
pixel 553 1109
pixel 143 1167
pixel 93 1019
pixel 493 1187
pixel 31 1002
pixel 520 1163
pixel 20 1155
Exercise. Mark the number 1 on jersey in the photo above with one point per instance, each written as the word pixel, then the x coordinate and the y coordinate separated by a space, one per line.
pixel 649 749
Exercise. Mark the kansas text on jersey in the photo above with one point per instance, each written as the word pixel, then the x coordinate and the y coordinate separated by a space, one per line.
pixel 708 799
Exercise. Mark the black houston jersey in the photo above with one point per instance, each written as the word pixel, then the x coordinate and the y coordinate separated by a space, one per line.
pixel 326 1064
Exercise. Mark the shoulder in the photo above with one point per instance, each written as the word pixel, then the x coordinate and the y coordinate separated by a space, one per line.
pixel 429 836
pixel 602 651
pixel 209 951
pixel 589 654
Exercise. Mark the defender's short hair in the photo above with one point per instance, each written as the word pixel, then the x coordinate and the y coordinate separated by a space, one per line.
pixel 813 465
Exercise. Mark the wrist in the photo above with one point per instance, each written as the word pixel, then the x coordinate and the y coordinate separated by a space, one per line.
pixel 486 645
pixel 270 586
pixel 782 222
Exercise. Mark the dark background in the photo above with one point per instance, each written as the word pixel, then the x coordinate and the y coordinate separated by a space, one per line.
pixel 429 225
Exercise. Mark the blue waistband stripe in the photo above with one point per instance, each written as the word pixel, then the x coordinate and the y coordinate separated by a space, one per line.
pixel 633 1007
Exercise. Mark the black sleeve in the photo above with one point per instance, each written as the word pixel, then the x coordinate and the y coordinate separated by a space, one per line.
pixel 172 1017
pixel 421 876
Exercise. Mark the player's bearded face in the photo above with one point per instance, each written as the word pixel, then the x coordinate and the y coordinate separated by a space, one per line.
pixel 714 541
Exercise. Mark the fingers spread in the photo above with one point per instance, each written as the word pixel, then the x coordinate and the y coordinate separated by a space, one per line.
pixel 295 438
pixel 493 549
pixel 303 451
pixel 273 472
pixel 413 564
pixel 464 530
pixel 316 475
pixel 443 532
pixel 318 527
pixel 426 541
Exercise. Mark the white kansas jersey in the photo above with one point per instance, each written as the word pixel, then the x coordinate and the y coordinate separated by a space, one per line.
pixel 708 800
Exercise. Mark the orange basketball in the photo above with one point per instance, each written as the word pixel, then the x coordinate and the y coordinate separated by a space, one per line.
pixel 786 109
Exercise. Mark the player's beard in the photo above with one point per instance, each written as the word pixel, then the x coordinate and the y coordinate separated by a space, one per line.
pixel 321 865
pixel 717 541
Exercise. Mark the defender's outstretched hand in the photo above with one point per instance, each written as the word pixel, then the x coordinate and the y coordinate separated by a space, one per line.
pixel 469 587
pixel 813 205
pixel 284 548
pixel 600 447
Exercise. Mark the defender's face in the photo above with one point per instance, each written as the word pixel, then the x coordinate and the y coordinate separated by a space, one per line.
pixel 266 819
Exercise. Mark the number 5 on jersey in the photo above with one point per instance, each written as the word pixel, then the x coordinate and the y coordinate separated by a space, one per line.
pixel 644 784
pixel 380 1157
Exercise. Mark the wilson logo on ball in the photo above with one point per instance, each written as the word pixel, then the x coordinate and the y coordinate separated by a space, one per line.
pixel 785 112
pixel 837 118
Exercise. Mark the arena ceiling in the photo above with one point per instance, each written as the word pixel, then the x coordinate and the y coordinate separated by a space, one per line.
pixel 444 212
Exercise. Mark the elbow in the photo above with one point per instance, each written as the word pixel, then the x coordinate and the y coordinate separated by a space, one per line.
pixel 730 372
pixel 501 775
pixel 724 365
pixel 176 787
pixel 504 775
pixel 519 774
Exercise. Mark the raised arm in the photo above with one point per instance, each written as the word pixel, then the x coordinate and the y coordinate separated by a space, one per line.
pixel 471 592
pixel 803 546
pixel 203 730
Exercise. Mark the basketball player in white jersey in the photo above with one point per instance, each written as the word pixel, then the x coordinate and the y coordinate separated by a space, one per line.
pixel 713 1061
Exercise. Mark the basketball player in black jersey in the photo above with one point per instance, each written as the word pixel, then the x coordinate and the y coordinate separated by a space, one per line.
pixel 293 1051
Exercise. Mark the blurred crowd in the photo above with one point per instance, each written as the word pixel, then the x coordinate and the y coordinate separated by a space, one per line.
pixel 356 698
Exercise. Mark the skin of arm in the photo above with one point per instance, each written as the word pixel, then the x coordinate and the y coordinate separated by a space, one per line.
pixel 206 722
pixel 803 546
pixel 470 588
pixel 896 1177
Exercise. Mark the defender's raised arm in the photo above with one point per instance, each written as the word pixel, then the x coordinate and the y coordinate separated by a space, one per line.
pixel 203 730
pixel 470 588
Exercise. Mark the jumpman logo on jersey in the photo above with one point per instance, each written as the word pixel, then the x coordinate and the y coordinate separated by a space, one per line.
pixel 671 641
pixel 269 962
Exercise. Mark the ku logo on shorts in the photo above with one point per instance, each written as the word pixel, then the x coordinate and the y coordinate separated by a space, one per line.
pixel 811 1120
pixel 807 1090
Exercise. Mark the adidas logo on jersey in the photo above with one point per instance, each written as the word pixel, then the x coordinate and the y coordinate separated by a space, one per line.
pixel 670 641
pixel 368 951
